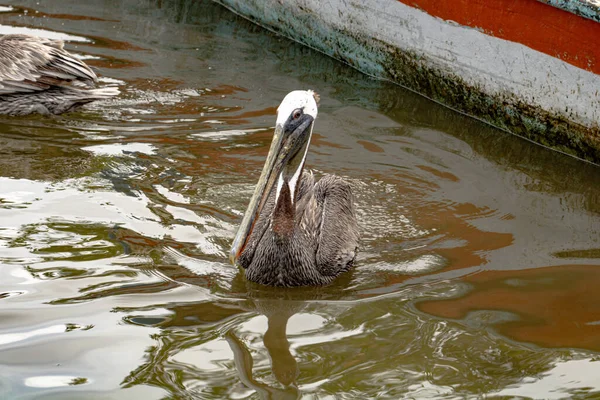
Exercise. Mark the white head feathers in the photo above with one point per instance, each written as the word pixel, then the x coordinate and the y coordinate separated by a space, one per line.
pixel 304 99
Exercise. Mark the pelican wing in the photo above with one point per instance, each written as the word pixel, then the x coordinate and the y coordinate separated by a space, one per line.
pixel 30 64
pixel 338 231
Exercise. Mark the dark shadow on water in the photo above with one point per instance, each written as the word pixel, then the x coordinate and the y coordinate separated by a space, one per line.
pixel 283 364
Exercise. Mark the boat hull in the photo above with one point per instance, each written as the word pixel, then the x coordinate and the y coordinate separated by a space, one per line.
pixel 523 66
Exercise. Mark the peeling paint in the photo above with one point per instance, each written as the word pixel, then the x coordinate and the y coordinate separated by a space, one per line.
pixel 584 8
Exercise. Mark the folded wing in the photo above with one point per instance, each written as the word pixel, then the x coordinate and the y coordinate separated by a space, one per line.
pixel 30 64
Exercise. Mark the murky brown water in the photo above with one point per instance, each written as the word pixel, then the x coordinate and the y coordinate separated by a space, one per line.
pixel 478 273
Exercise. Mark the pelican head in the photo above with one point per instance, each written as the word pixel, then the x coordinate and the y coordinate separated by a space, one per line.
pixel 283 168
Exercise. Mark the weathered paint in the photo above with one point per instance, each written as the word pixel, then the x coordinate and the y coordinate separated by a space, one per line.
pixel 507 83
pixel 584 8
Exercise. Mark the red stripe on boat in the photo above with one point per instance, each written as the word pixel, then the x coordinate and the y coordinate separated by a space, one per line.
pixel 539 26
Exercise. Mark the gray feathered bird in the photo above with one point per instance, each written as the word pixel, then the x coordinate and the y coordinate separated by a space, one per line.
pixel 38 76
pixel 296 232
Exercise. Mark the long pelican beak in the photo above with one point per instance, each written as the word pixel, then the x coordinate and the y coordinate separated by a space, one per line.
pixel 261 193
pixel 284 164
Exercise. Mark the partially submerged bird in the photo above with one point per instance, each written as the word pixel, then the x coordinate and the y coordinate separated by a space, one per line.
pixel 38 76
pixel 296 232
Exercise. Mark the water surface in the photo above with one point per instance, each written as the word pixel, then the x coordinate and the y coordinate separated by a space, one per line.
pixel 480 252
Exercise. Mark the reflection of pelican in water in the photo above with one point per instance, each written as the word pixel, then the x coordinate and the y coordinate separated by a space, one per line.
pixel 296 231
pixel 283 364
pixel 38 76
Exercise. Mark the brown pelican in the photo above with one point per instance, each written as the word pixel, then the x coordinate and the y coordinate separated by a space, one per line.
pixel 38 76
pixel 296 232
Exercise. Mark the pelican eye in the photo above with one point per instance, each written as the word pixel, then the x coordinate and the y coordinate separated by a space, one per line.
pixel 297 113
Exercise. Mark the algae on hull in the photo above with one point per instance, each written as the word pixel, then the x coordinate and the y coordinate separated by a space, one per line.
pixel 504 112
